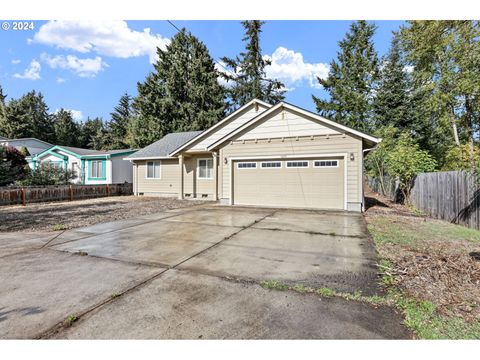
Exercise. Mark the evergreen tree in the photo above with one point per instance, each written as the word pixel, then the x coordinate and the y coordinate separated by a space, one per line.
pixel 66 130
pixel 89 131
pixel 182 93
pixel 118 125
pixel 28 117
pixel 351 81
pixel 392 101
pixel 247 72
pixel 3 112
pixel 16 124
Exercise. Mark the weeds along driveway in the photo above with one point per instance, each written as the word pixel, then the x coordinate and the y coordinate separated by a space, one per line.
pixel 193 273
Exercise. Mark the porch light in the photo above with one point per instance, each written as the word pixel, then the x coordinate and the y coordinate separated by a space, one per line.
pixel 225 160
pixel 352 156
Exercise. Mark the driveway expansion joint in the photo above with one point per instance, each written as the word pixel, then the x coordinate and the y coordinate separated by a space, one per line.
pixel 61 326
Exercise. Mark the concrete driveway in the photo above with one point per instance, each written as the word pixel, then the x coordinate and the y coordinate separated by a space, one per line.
pixel 194 273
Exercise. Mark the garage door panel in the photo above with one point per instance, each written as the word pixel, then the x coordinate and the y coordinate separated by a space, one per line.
pixel 312 187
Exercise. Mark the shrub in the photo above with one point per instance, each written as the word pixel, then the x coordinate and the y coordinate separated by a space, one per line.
pixel 47 174
pixel 13 166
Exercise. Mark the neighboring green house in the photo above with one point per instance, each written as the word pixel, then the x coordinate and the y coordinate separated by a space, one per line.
pixel 90 166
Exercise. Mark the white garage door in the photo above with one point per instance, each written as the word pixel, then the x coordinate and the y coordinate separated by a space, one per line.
pixel 302 183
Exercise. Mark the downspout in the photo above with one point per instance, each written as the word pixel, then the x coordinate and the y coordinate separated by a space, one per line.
pixel 363 175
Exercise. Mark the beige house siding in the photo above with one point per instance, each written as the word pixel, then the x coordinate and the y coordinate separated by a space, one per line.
pixel 286 123
pixel 336 144
pixel 238 120
pixel 192 184
pixel 168 184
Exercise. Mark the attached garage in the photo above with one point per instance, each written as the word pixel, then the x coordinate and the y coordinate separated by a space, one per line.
pixel 297 182
pixel 264 155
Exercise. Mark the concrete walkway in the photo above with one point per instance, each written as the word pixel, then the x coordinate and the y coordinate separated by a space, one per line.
pixel 193 273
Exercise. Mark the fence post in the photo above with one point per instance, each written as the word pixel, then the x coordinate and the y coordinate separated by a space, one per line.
pixel 24 197
pixel 108 190
pixel 71 193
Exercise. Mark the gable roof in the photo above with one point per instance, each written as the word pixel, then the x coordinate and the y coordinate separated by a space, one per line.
pixel 217 125
pixel 163 147
pixel 291 107
pixel 84 153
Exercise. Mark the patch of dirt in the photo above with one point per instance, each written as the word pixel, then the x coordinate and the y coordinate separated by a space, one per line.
pixel 439 271
pixel 379 204
pixel 43 216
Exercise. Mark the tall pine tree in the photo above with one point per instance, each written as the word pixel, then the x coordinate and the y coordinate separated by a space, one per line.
pixel 28 117
pixel 89 131
pixel 118 125
pixel 351 81
pixel 3 112
pixel 182 94
pixel 392 102
pixel 66 130
pixel 247 73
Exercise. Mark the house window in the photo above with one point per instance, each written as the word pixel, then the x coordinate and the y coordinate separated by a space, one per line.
pixel 325 163
pixel 97 170
pixel 246 165
pixel 153 170
pixel 55 164
pixel 205 168
pixel 297 164
pixel 271 164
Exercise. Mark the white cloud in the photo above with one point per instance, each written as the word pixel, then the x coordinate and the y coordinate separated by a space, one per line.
pixel 16 61
pixel 110 38
pixel 32 72
pixel 76 114
pixel 82 67
pixel 408 68
pixel 289 67
pixel 221 69
pixel 60 80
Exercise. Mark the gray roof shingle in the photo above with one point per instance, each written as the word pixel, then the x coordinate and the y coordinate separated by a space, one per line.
pixel 164 146
pixel 81 151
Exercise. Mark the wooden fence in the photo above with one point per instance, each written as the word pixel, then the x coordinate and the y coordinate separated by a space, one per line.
pixel 27 195
pixel 453 196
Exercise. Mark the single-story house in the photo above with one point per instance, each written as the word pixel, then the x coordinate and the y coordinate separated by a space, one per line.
pixel 33 145
pixel 261 155
pixel 91 167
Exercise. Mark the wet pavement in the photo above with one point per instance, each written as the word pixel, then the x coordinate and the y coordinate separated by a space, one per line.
pixel 185 260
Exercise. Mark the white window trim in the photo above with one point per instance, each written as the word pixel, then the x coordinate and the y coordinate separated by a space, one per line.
pixel 271 161
pixel 247 162
pixel 326 167
pixel 159 173
pixel 198 169
pixel 297 167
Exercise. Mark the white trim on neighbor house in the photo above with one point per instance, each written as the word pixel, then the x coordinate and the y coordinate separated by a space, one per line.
pixel 159 170
pixel 212 177
pixel 297 156
pixel 211 129
pixel 295 109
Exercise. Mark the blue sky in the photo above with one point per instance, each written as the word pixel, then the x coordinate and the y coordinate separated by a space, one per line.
pixel 87 66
